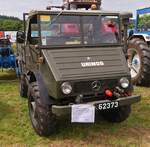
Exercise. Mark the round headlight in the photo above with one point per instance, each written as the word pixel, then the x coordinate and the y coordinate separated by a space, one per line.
pixel 124 82
pixel 66 88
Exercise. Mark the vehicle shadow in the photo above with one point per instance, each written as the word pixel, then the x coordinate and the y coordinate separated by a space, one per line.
pixel 68 130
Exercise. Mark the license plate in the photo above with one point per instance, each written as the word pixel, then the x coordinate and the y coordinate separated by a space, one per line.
pixel 107 105
pixel 83 113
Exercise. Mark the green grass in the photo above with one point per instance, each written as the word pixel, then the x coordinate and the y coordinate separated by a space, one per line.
pixel 16 129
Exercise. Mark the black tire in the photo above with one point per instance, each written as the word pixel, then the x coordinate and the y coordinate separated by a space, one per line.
pixel 117 115
pixel 23 87
pixel 42 118
pixel 137 47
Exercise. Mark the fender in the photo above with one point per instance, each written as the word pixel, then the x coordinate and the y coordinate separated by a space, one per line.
pixel 45 98
pixel 144 36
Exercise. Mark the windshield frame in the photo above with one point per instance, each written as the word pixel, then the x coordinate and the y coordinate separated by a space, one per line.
pixel 119 43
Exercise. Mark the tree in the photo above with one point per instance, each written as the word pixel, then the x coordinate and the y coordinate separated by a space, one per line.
pixel 10 23
pixel 144 21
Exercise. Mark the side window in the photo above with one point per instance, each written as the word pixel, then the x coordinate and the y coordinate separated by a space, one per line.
pixel 34 31
pixel 34 36
pixel 110 28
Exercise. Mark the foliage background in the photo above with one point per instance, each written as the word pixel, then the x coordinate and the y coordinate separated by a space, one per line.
pixel 144 21
pixel 10 23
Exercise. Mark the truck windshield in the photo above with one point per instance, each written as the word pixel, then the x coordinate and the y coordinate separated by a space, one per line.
pixel 79 30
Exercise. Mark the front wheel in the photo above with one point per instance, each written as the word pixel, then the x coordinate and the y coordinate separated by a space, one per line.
pixel 42 118
pixel 117 115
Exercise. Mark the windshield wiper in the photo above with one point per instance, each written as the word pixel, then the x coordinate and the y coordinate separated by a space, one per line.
pixel 55 18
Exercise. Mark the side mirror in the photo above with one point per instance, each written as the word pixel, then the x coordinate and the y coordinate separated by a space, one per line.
pixel 20 37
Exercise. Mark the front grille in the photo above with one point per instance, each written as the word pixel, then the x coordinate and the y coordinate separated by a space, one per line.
pixel 82 87
pixel 85 87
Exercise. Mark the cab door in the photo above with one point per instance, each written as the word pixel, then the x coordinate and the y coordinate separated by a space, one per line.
pixel 32 41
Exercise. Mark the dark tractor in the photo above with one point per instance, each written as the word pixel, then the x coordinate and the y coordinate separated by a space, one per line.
pixel 7 57
pixel 139 49
pixel 73 62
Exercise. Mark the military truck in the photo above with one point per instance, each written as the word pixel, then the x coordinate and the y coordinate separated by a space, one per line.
pixel 73 62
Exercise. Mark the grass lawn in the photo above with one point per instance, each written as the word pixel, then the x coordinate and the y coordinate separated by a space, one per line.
pixel 16 129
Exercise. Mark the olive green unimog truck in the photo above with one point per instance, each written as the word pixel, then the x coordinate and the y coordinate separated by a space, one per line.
pixel 74 62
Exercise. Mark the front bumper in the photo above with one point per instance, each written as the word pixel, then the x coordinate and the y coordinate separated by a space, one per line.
pixel 66 109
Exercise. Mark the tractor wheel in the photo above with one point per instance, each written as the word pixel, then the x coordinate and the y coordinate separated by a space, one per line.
pixel 117 115
pixel 42 118
pixel 139 61
pixel 23 87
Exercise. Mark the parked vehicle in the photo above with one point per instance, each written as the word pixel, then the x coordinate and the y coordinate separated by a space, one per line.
pixel 77 4
pixel 7 57
pixel 139 49
pixel 72 62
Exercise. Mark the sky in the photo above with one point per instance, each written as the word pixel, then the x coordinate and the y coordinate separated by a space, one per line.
pixel 17 7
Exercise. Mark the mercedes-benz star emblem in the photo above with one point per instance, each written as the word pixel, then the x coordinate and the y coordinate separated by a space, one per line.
pixel 96 85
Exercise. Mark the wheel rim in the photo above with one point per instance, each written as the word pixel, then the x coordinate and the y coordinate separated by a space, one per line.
pixel 134 63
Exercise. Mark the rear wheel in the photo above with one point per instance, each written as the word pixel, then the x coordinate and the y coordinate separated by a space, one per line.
pixel 117 115
pixel 42 118
pixel 139 61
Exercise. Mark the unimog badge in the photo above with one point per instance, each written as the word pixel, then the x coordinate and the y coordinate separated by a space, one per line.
pixel 90 64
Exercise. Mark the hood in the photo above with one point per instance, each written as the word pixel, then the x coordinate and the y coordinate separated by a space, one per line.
pixel 142 33
pixel 86 63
